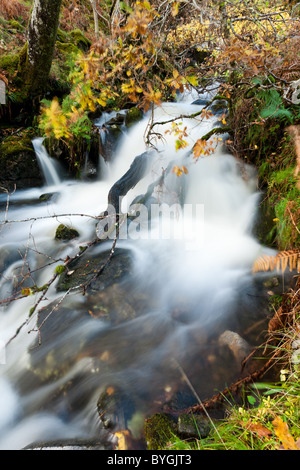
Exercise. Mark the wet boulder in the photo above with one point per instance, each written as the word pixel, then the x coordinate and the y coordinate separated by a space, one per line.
pixel 82 271
pixel 19 168
pixel 64 232
pixel 190 426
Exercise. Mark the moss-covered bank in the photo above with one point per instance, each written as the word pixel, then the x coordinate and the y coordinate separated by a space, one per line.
pixel 19 168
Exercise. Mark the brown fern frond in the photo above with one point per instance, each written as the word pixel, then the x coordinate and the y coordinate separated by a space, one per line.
pixel 12 9
pixel 280 262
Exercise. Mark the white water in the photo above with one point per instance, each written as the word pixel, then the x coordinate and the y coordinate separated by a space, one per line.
pixel 205 273
pixel 47 164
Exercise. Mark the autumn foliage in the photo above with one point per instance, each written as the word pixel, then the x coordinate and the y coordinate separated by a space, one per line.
pixel 12 9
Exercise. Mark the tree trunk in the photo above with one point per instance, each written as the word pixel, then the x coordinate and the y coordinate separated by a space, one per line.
pixel 96 20
pixel 38 55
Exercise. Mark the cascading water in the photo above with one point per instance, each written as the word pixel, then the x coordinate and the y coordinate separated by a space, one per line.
pixel 188 286
pixel 48 165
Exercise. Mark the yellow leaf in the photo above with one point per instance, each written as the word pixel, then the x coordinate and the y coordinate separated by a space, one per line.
pixel 282 432
pixel 122 437
pixel 175 7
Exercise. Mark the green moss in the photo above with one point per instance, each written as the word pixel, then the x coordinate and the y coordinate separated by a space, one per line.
pixel 15 145
pixel 16 25
pixel 66 48
pixel 132 116
pixel 65 233
pixel 62 36
pixel 80 40
pixel 283 194
pixel 9 63
pixel 159 430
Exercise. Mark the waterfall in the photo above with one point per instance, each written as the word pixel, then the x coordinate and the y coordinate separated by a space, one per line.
pixel 188 286
pixel 48 166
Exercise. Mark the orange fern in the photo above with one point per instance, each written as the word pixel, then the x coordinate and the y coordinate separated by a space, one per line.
pixel 12 9
pixel 283 260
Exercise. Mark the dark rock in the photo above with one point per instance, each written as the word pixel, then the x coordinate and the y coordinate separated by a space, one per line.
pixel 133 116
pixel 115 408
pixel 193 426
pixel 83 269
pixel 65 233
pixel 72 444
pixel 47 197
pixel 264 228
pixel 219 107
pixel 200 102
pixel 18 164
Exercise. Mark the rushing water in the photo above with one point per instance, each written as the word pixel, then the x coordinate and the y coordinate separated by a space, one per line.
pixel 186 288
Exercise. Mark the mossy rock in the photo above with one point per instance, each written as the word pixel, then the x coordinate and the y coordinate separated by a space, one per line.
pixel 9 63
pixel 132 116
pixel 80 40
pixel 159 430
pixel 191 426
pixel 264 228
pixel 18 164
pixel 66 48
pixel 65 233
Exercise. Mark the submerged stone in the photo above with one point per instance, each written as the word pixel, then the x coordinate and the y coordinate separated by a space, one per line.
pixel 82 270
pixel 115 408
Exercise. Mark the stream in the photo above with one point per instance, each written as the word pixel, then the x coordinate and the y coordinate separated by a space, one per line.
pixel 190 281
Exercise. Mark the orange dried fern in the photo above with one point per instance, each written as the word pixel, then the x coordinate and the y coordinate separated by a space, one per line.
pixel 283 260
pixel 12 9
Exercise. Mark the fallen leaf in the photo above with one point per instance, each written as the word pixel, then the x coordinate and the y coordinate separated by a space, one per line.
pixel 283 434
pixel 123 437
pixel 259 429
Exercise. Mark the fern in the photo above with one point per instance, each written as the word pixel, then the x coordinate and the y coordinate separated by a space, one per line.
pixel 273 106
pixel 280 262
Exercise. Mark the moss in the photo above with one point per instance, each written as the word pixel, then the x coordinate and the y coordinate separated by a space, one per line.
pixel 66 48
pixel 17 26
pixel 65 233
pixel 193 426
pixel 159 430
pixel 132 116
pixel 9 63
pixel 62 36
pixel 18 164
pixel 81 41
pixel 14 145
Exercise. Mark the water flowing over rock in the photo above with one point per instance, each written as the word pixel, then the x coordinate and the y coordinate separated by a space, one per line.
pixel 137 316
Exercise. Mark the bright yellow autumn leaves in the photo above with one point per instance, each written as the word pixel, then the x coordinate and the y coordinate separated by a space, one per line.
pixel 118 68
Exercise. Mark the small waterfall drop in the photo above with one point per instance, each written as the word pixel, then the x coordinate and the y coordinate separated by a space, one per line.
pixel 48 166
